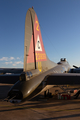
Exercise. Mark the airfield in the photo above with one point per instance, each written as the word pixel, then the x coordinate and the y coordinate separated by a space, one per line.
pixel 38 108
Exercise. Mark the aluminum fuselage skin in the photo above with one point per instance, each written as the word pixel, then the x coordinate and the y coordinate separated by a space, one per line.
pixel 30 87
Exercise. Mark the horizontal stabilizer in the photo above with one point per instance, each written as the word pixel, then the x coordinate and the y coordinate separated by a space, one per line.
pixel 11 70
pixel 63 79
pixel 9 79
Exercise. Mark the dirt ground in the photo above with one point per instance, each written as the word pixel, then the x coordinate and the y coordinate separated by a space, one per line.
pixel 39 108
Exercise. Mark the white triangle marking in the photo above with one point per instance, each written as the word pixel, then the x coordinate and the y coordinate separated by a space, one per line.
pixel 38 44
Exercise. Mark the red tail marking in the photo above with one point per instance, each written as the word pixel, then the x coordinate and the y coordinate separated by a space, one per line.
pixel 30 58
pixel 40 53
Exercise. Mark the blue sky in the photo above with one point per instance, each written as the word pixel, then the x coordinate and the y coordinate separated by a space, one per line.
pixel 60 28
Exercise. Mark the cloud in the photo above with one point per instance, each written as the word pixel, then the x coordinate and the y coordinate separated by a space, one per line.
pixel 7 58
pixel 8 63
pixel 18 58
pixel 18 62
pixel 4 59
pixel 11 61
pixel 11 58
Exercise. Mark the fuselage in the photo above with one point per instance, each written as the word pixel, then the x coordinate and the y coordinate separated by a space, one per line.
pixel 31 83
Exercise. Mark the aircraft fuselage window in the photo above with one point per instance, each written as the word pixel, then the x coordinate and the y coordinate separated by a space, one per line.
pixel 30 74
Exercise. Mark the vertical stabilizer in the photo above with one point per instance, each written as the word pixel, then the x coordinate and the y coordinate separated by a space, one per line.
pixel 34 52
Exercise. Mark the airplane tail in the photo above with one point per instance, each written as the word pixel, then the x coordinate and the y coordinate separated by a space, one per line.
pixel 34 52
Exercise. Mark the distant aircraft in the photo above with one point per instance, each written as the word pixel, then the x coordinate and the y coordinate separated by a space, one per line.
pixel 75 69
pixel 39 73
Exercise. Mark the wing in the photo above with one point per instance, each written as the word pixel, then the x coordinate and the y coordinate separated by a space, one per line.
pixel 63 79
pixel 11 70
pixel 9 79
pixel 60 79
pixel 10 75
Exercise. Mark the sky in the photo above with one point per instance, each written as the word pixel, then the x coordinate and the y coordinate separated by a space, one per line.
pixel 60 28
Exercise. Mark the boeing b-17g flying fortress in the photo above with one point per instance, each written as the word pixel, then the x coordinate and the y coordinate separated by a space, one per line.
pixel 39 73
